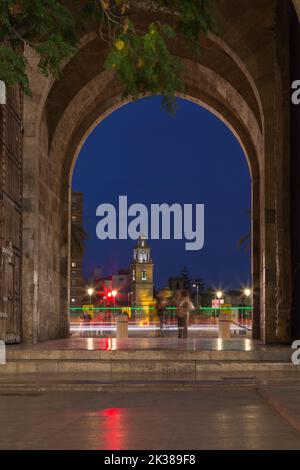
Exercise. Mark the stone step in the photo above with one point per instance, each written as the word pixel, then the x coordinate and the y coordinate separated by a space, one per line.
pixel 19 388
pixel 270 354
pixel 37 384
pixel 192 368
pixel 164 362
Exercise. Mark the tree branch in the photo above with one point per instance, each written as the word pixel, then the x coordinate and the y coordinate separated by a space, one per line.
pixel 19 32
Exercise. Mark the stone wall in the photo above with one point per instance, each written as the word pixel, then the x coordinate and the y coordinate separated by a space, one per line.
pixel 240 76
pixel 41 244
pixel 295 175
pixel 49 242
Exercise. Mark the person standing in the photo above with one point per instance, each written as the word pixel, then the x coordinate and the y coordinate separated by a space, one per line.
pixel 161 307
pixel 184 307
pixel 85 328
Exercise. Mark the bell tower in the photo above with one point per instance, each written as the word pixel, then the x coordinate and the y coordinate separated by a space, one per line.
pixel 142 274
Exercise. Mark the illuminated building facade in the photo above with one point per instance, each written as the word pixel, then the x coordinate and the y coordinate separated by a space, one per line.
pixel 77 285
pixel 142 275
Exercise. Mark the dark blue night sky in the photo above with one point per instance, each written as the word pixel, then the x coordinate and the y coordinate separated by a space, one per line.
pixel 152 157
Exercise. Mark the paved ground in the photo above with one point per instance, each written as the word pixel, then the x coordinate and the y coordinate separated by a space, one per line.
pixel 235 418
pixel 232 409
pixel 169 343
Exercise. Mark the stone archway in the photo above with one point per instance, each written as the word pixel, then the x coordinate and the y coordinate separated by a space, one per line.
pixel 70 136
pixel 234 78
pixel 297 7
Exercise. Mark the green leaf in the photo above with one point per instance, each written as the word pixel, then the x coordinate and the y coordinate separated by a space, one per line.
pixel 13 68
pixel 145 63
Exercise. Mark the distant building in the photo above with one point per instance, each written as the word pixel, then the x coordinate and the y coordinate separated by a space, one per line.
pixel 122 278
pixel 102 284
pixel 77 284
pixel 176 283
pixel 97 273
pixel 120 282
pixel 234 297
pixel 142 275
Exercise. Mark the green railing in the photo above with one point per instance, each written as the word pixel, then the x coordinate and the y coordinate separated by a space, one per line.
pixel 205 311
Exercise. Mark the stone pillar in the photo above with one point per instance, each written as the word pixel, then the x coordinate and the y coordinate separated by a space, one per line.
pixel 65 259
pixel 268 229
pixel 31 188
pixel 256 333
pixel 268 278
pixel 282 174
pixel 30 316
pixel 255 259
pixel 276 276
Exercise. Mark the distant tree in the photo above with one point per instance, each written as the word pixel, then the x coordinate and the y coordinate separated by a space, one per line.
pixel 141 59
pixel 201 285
pixel 185 274
pixel 207 296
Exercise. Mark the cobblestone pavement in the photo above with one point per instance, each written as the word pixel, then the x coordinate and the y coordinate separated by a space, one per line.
pixel 235 418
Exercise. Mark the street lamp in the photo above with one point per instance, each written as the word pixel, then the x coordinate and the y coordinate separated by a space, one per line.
pixel 90 292
pixel 196 286
pixel 219 295
pixel 114 294
pixel 247 293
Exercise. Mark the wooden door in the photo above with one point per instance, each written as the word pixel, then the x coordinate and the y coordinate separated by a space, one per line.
pixel 11 215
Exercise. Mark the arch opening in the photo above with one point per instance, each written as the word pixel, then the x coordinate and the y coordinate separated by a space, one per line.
pixel 125 299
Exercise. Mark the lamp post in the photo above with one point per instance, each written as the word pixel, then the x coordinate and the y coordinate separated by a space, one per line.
pixel 114 295
pixel 90 292
pixel 196 286
pixel 247 294
pixel 219 297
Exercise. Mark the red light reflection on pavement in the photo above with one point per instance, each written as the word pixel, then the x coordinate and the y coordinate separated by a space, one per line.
pixel 110 344
pixel 115 428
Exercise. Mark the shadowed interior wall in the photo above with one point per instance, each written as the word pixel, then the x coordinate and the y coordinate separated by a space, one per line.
pixel 295 175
